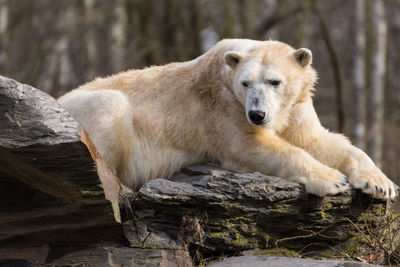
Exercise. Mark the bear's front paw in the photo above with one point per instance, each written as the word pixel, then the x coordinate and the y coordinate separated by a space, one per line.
pixel 327 182
pixel 373 181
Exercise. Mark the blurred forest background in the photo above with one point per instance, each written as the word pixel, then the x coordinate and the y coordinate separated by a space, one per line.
pixel 58 45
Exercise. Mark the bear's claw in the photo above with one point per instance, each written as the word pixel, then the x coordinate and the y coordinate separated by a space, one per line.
pixel 378 191
pixel 346 181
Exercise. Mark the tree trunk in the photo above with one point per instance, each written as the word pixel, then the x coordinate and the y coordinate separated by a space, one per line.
pixel 196 24
pixel 3 31
pixel 58 75
pixel 91 47
pixel 168 33
pixel 229 19
pixel 359 74
pixel 118 35
pixel 306 8
pixel 244 17
pixel 378 80
pixel 337 69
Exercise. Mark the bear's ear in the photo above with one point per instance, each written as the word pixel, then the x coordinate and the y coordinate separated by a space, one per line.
pixel 303 56
pixel 232 58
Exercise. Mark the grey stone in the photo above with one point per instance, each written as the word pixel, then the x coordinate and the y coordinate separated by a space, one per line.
pixel 49 187
pixel 30 116
pixel 108 256
pixel 193 170
pixel 222 211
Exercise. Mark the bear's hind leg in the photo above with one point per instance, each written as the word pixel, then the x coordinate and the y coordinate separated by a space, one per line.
pixel 108 118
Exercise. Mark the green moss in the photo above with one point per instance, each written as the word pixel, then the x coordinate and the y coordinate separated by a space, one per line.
pixel 380 210
pixel 276 252
pixel 353 244
pixel 91 193
pixel 218 234
pixel 282 208
pixel 240 240
pixel 328 253
pixel 230 205
pixel 323 215
pixel 294 245
pixel 232 238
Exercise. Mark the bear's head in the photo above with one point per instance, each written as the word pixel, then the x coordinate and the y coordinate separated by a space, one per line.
pixel 269 78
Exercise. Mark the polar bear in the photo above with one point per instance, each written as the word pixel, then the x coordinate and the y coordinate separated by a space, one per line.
pixel 244 104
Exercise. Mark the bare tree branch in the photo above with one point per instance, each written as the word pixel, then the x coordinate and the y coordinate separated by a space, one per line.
pixel 337 69
pixel 268 22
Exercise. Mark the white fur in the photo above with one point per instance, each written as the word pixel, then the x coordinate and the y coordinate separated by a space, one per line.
pixel 113 133
pixel 149 123
pixel 260 95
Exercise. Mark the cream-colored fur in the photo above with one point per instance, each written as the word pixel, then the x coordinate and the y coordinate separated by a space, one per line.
pixel 148 123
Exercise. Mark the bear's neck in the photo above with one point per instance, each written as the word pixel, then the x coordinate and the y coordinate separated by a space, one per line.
pixel 209 79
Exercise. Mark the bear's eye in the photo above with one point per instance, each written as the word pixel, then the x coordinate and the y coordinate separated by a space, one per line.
pixel 245 84
pixel 274 82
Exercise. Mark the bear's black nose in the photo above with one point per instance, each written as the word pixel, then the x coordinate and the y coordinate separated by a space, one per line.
pixel 257 116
